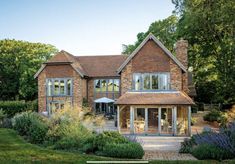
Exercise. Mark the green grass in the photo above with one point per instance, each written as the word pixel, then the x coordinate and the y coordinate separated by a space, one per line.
pixel 14 149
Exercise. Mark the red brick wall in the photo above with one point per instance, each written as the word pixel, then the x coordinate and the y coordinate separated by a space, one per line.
pixel 61 71
pixel 151 58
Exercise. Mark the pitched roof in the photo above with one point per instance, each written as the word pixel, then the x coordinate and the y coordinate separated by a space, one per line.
pixel 62 57
pixel 92 66
pixel 155 98
pixel 152 37
pixel 101 66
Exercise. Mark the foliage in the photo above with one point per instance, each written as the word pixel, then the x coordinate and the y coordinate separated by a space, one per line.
pixel 164 30
pixel 212 145
pixel 2 116
pixel 124 150
pixel 68 128
pixel 209 28
pixel 10 108
pixel 37 131
pixel 187 145
pixel 19 61
pixel 13 149
pixel 31 125
pixel 108 137
pixel 213 115
pixel 206 151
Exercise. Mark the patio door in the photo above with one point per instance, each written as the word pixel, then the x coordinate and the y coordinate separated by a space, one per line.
pixel 139 120
pixel 166 121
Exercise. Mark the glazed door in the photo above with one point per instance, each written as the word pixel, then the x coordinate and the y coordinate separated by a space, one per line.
pixel 166 121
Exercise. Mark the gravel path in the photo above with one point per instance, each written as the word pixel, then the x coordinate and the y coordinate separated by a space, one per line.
pixel 157 155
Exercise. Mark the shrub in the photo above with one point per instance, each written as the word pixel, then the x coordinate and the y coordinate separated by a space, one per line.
pixel 68 143
pixel 187 145
pixel 88 146
pixel 220 140
pixel 31 125
pixel 37 131
pixel 124 150
pixel 10 108
pixel 108 137
pixel 66 130
pixel 2 117
pixel 207 151
pixel 213 115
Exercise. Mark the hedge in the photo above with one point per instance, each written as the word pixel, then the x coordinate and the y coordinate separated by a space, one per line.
pixel 10 108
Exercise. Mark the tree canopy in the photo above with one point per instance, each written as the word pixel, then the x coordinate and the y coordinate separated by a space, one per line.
pixel 209 26
pixel 19 61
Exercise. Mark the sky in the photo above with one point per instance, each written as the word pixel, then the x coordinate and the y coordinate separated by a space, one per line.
pixel 81 27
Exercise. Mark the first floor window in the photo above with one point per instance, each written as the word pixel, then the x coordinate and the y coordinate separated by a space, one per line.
pixel 106 85
pixel 146 81
pixel 151 81
pixel 59 87
pixel 116 85
pixel 137 79
pixel 155 81
pixel 103 85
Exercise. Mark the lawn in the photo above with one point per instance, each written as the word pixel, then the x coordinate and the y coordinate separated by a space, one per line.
pixel 13 149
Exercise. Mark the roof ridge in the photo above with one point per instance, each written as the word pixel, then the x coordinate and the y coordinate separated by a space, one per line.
pixel 100 55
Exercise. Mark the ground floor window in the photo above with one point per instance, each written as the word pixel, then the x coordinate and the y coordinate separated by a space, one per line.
pixel 57 105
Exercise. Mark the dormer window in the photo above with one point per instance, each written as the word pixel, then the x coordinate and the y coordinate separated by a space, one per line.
pixel 151 81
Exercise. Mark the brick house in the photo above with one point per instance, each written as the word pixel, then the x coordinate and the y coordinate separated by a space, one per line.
pixel 147 92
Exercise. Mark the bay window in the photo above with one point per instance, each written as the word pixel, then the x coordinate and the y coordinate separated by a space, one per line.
pixel 151 81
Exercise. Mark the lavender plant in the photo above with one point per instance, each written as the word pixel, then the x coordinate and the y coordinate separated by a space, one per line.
pixel 224 139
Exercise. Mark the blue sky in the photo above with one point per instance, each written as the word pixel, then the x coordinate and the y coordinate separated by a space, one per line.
pixel 81 27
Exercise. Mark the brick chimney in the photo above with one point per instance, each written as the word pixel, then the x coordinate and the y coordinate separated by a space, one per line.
pixel 181 49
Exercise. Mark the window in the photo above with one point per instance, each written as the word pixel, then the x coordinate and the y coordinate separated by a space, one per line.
pixel 151 81
pixel 56 87
pixel 146 78
pixel 137 79
pixel 163 82
pixel 110 85
pixel 62 92
pixel 57 105
pixel 59 87
pixel 106 85
pixel 103 85
pixel 155 81
pixel 116 85
pixel 69 87
pixel 49 89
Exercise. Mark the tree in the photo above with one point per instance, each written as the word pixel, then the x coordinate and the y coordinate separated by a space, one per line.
pixel 209 26
pixel 19 61
pixel 164 30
